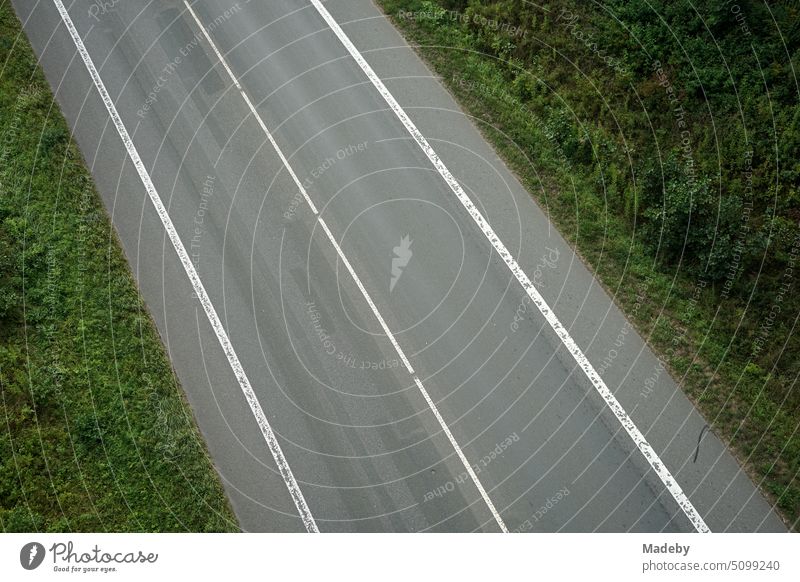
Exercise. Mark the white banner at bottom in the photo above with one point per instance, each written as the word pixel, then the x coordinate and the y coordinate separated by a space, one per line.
pixel 371 557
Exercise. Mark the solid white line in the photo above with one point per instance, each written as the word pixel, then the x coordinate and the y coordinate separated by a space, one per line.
pixel 638 438
pixel 501 524
pixel 197 285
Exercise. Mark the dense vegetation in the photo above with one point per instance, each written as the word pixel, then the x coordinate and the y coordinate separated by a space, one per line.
pixel 668 136
pixel 94 433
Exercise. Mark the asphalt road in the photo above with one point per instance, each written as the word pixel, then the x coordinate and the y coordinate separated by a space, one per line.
pixel 361 440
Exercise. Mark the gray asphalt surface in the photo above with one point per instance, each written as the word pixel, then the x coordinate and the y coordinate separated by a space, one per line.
pixel 359 437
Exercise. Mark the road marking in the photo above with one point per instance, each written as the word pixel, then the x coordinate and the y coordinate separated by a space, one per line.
pixel 197 285
pixel 633 431
pixel 419 384
pixel 361 287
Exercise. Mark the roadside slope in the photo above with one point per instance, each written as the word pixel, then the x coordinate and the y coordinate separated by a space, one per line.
pixel 96 435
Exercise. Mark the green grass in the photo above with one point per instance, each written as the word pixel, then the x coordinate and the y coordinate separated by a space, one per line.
pixel 542 113
pixel 95 434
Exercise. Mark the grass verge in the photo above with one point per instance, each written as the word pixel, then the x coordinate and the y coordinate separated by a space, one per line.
pixel 95 434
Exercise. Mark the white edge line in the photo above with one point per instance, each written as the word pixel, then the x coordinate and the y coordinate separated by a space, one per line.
pixel 197 285
pixel 638 438
pixel 470 471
